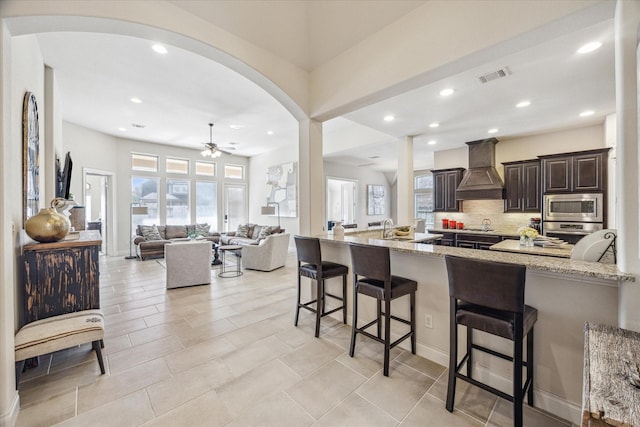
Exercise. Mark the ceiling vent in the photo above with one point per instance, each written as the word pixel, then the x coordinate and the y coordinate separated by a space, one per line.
pixel 498 74
pixel 138 125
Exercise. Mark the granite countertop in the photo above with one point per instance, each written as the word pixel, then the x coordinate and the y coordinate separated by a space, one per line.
pixel 563 251
pixel 532 262
pixel 492 232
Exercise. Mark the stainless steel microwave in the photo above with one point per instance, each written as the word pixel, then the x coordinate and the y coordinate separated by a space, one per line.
pixel 584 207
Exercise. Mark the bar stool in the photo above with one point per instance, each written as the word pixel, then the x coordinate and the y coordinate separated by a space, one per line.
pixel 489 297
pixel 308 249
pixel 374 265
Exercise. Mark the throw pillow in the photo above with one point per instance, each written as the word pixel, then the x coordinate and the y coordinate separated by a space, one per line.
pixel 267 231
pixel 255 234
pixel 243 230
pixel 202 229
pixel 176 231
pixel 150 232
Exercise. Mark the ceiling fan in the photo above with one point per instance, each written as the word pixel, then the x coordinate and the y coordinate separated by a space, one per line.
pixel 211 149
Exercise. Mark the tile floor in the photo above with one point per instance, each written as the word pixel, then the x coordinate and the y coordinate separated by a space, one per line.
pixel 228 354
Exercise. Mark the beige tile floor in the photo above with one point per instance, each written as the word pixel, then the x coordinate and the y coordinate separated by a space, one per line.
pixel 228 354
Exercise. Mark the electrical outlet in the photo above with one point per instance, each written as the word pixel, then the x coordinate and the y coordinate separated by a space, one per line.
pixel 428 321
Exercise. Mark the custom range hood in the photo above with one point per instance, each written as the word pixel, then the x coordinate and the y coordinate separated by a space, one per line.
pixel 481 181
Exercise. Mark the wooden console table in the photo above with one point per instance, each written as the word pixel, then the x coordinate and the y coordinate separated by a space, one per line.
pixel 611 395
pixel 61 277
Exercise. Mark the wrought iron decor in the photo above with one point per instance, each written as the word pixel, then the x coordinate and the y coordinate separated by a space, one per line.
pixel 31 156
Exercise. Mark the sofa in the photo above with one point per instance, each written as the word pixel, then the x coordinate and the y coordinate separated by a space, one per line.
pixel 150 239
pixel 270 253
pixel 249 234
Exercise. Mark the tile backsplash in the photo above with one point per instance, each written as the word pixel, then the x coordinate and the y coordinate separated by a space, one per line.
pixel 474 211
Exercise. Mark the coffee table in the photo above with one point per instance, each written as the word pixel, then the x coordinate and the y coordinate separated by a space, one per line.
pixel 223 270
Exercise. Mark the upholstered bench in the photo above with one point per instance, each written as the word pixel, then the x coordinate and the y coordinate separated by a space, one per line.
pixel 60 332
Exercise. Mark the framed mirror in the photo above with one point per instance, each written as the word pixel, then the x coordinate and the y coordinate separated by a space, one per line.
pixel 31 156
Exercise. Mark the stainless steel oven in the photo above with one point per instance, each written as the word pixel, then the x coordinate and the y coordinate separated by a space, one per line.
pixel 584 207
pixel 570 232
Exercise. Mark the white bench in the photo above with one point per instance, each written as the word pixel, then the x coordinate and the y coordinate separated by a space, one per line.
pixel 60 332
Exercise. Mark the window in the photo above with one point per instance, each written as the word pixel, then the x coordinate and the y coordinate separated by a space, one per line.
pixel 178 202
pixel 205 168
pixel 144 192
pixel 423 193
pixel 180 166
pixel 207 203
pixel 233 172
pixel 144 162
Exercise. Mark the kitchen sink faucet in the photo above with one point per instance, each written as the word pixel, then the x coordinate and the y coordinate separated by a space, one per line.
pixel 387 233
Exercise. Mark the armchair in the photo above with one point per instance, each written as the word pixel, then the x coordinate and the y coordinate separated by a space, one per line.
pixel 269 254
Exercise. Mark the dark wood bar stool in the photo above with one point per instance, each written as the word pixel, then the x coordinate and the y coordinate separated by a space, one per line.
pixel 489 297
pixel 371 266
pixel 311 265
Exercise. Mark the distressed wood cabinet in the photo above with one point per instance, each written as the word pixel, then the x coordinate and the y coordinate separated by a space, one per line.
pixel 61 277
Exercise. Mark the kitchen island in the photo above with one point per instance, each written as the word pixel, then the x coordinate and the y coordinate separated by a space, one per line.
pixel 567 293
pixel 514 246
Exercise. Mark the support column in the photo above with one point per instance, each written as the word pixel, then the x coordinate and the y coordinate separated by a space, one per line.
pixel 311 177
pixel 627 22
pixel 10 212
pixel 405 181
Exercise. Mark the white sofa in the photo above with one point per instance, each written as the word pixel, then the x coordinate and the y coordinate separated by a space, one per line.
pixel 269 254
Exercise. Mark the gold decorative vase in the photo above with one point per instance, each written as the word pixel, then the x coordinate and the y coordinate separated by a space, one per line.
pixel 48 225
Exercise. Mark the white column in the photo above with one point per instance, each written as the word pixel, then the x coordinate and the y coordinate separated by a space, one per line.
pixel 311 177
pixel 10 212
pixel 405 181
pixel 627 20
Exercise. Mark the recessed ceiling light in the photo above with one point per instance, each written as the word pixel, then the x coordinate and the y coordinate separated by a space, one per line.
pixel 589 47
pixel 122 129
pixel 236 126
pixel 389 118
pixel 432 142
pixel 494 130
pixel 434 125
pixel 136 100
pixel 587 113
pixel 523 104
pixel 269 132
pixel 158 48
pixel 446 92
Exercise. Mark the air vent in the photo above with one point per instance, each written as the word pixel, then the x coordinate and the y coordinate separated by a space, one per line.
pixel 138 125
pixel 498 74
pixel 366 164
pixel 374 157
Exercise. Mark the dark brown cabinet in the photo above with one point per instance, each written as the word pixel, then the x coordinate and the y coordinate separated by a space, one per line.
pixel 448 239
pixel 61 277
pixel 475 241
pixel 583 172
pixel 522 186
pixel 445 182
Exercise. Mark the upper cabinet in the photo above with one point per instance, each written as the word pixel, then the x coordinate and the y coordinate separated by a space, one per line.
pixel 522 186
pixel 583 172
pixel 445 182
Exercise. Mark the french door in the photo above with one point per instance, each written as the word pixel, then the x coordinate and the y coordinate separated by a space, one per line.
pixel 235 206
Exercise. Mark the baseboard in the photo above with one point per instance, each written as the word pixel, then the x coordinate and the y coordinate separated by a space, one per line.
pixel 9 418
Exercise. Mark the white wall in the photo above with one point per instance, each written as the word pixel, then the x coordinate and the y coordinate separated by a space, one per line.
pixel 258 190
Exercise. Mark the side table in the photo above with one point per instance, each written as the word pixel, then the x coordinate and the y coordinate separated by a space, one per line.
pixel 611 395
pixel 224 272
